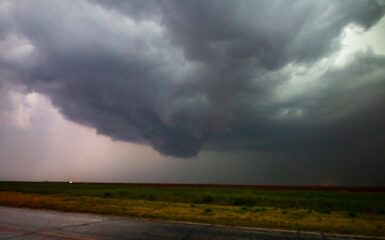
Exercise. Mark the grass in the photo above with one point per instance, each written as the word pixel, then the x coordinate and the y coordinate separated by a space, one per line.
pixel 333 212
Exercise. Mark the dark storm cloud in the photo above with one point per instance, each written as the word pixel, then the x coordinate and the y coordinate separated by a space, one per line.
pixel 342 116
pixel 180 74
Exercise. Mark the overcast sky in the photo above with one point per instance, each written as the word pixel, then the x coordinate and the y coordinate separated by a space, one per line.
pixel 242 92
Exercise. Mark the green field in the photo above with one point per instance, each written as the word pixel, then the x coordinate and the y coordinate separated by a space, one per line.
pixel 326 211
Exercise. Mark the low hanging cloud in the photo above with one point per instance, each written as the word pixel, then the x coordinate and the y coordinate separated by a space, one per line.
pixel 184 76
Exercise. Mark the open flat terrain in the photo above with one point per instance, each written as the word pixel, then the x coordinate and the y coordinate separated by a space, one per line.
pixel 20 223
pixel 341 210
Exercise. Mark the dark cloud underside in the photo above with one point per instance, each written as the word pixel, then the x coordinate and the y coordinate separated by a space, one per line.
pixel 182 75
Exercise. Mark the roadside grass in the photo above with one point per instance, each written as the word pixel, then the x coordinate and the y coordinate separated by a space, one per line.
pixel 323 202
pixel 331 212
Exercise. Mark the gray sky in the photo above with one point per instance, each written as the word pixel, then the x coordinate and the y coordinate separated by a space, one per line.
pixel 243 92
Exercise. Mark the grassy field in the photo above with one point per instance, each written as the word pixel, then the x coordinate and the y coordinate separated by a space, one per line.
pixel 345 212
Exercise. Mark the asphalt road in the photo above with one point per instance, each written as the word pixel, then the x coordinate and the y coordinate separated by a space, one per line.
pixel 18 223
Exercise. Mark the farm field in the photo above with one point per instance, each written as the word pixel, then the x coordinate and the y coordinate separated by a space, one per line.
pixel 345 210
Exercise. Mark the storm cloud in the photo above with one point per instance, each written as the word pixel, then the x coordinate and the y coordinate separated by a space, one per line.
pixel 182 76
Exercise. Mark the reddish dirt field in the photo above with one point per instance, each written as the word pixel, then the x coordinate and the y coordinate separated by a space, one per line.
pixel 257 187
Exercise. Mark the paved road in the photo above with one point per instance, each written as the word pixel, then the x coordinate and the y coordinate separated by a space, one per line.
pixel 18 223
